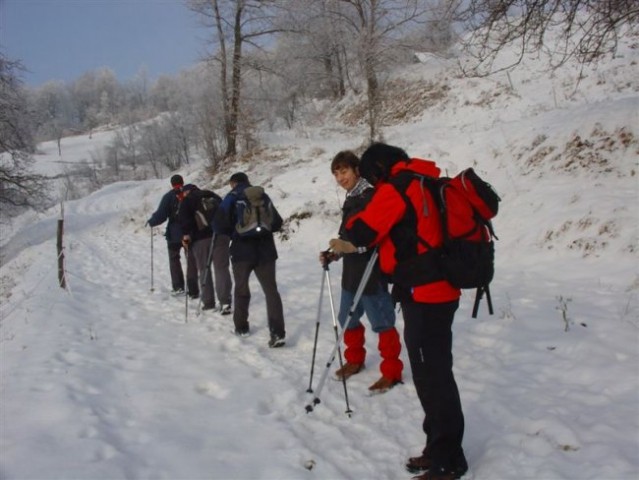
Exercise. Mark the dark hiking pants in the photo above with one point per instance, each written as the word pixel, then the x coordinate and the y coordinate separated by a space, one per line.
pixel 177 275
pixel 221 262
pixel 200 250
pixel 429 339
pixel 265 273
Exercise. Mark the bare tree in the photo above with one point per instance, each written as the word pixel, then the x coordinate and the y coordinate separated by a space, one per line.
pixel 377 29
pixel 164 143
pixel 315 48
pixel 126 138
pixel 238 25
pixel 588 29
pixel 52 109
pixel 136 95
pixel 19 187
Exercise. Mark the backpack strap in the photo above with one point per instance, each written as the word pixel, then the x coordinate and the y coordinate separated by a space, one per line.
pixel 400 183
pixel 479 293
pixel 415 268
pixel 405 178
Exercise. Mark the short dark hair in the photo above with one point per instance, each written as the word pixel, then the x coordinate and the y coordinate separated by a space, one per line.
pixel 177 180
pixel 378 160
pixel 239 177
pixel 345 159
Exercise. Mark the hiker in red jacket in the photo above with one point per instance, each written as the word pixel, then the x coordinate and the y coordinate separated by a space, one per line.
pixel 403 220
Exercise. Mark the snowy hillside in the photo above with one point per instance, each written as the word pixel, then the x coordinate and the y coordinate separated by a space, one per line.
pixel 110 380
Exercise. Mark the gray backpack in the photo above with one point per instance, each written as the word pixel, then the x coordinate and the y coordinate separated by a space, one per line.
pixel 255 214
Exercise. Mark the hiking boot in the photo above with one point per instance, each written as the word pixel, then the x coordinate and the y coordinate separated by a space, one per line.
pixel 423 462
pixel 242 333
pixel 443 474
pixel 276 341
pixel 225 309
pixel 194 296
pixel 177 292
pixel 348 370
pixel 382 385
pixel 208 307
pixel 418 464
pixel 435 476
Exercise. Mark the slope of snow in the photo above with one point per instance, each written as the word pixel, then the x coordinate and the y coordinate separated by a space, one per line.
pixel 110 380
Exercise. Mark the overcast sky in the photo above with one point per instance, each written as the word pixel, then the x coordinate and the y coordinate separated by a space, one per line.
pixel 62 39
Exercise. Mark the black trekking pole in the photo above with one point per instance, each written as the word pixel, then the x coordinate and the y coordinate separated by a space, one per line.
pixel 152 288
pixel 209 259
pixel 331 358
pixel 317 324
pixel 186 290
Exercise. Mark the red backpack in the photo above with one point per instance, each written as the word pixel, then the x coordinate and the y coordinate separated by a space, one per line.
pixel 466 205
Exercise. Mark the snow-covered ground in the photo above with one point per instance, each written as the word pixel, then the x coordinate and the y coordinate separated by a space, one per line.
pixel 109 380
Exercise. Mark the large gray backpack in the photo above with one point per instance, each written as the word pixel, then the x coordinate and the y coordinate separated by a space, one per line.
pixel 255 214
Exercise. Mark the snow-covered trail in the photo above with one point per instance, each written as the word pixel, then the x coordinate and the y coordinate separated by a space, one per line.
pixel 107 380
pixel 148 395
pixel 134 391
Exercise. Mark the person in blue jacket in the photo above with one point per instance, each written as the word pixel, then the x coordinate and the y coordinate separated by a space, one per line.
pixel 253 254
pixel 167 211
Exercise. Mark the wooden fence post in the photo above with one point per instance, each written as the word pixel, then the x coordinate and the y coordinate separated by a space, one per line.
pixel 61 276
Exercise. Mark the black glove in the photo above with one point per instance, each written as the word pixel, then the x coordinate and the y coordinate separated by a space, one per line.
pixel 328 256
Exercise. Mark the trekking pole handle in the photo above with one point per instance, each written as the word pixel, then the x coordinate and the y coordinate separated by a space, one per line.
pixel 327 257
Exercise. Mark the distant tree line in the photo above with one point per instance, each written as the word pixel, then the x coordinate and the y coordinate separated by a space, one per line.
pixel 269 61
pixel 19 187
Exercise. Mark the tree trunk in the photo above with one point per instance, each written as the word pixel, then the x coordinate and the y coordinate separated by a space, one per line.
pixel 223 71
pixel 372 91
pixel 341 85
pixel 234 113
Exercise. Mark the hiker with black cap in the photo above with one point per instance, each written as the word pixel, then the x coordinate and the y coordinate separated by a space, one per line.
pixel 167 211
pixel 252 253
pixel 198 242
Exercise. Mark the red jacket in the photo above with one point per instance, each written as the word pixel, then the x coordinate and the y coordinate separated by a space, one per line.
pixel 387 222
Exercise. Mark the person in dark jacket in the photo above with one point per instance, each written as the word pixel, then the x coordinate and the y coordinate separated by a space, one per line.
pixel 168 210
pixel 375 301
pixel 403 220
pixel 253 254
pixel 198 242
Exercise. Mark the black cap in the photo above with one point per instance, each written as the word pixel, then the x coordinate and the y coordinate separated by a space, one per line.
pixel 239 177
pixel 177 180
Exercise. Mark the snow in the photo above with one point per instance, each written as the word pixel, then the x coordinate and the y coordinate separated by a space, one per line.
pixel 109 379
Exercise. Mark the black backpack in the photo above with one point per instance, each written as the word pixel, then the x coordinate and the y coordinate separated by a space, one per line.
pixel 206 203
